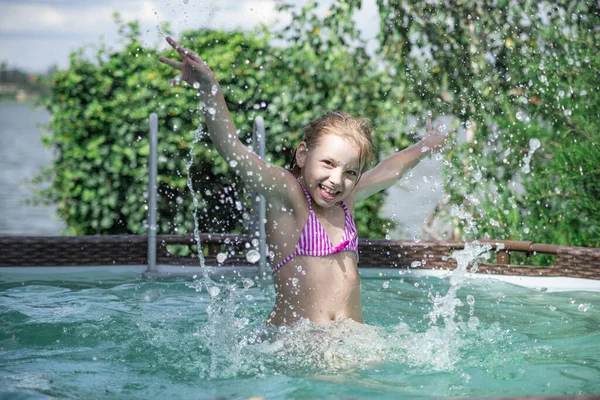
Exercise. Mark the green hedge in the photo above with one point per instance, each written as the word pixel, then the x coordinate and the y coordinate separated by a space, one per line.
pixel 99 127
pixel 510 71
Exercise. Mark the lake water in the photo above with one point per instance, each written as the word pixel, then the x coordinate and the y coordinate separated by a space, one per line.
pixel 22 156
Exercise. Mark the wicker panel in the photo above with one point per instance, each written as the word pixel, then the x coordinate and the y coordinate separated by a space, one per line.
pixel 72 250
pixel 131 249
pixel 578 262
pixel 109 249
pixel 402 253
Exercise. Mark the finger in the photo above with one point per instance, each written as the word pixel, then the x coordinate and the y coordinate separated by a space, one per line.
pixel 172 42
pixel 171 63
pixel 190 55
pixel 181 50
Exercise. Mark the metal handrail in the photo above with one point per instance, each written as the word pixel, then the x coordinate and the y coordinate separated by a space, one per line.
pixel 152 188
pixel 259 206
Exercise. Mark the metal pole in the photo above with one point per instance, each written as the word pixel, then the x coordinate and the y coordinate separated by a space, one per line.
pixel 259 141
pixel 152 187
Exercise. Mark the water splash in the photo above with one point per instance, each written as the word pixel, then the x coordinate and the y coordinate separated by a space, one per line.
pixel 445 307
pixel 198 135
pixel 534 144
pixel 225 335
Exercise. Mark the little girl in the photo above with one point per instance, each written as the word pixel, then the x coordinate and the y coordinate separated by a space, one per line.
pixel 310 225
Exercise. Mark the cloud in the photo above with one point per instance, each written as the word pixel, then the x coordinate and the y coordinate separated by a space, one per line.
pixel 82 17
pixel 27 18
pixel 37 33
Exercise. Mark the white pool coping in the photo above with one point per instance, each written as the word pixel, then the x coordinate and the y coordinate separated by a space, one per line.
pixel 551 284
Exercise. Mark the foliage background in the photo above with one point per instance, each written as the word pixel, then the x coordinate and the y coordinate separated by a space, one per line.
pixel 510 72
pixel 99 126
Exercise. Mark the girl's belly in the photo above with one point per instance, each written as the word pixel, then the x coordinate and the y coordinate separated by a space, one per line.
pixel 322 289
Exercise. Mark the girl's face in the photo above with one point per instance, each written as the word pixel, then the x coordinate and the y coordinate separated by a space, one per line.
pixel 330 170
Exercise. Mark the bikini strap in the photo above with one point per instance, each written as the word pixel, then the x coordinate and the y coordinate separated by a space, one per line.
pixel 308 199
pixel 344 207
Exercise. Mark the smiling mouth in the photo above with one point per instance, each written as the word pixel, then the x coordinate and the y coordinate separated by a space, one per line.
pixel 327 193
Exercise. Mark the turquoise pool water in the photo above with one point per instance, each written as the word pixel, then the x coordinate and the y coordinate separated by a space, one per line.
pixel 119 336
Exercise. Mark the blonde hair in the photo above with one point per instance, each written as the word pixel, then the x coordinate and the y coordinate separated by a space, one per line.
pixel 358 130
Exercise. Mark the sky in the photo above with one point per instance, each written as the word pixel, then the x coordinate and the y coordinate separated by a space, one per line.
pixel 36 34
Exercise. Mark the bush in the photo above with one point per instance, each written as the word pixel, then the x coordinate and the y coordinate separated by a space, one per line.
pixel 99 128
pixel 516 74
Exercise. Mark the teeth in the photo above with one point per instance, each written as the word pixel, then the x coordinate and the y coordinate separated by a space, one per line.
pixel 330 191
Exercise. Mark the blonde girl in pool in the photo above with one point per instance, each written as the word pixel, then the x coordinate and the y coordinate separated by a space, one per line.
pixel 310 225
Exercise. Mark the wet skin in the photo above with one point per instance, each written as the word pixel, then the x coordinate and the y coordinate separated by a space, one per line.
pixel 322 289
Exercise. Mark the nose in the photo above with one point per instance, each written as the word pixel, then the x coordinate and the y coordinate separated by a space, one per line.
pixel 335 177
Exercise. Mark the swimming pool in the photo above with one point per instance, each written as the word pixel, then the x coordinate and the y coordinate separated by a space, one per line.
pixel 110 333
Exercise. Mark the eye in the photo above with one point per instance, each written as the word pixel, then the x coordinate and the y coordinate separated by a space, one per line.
pixel 327 162
pixel 353 173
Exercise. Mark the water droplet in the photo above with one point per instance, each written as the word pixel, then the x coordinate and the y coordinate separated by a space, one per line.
pixel 196 85
pixel 534 144
pixel 386 284
pixel 221 257
pixel 584 307
pixel 470 300
pixel 214 291
pixel 415 264
pixel 233 163
pixel 253 256
pixel 211 110
pixel 473 323
pixel 248 283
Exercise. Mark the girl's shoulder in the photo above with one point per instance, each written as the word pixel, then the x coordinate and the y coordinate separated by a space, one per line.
pixel 292 198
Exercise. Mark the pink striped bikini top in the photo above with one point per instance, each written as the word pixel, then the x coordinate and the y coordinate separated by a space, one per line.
pixel 314 241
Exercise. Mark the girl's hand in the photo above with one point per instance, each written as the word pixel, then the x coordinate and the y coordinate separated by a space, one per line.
pixel 434 137
pixel 193 70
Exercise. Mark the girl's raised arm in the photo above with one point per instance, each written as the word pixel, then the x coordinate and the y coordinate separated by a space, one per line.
pixel 260 176
pixel 391 169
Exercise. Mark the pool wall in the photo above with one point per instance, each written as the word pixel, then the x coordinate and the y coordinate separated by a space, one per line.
pixel 132 250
